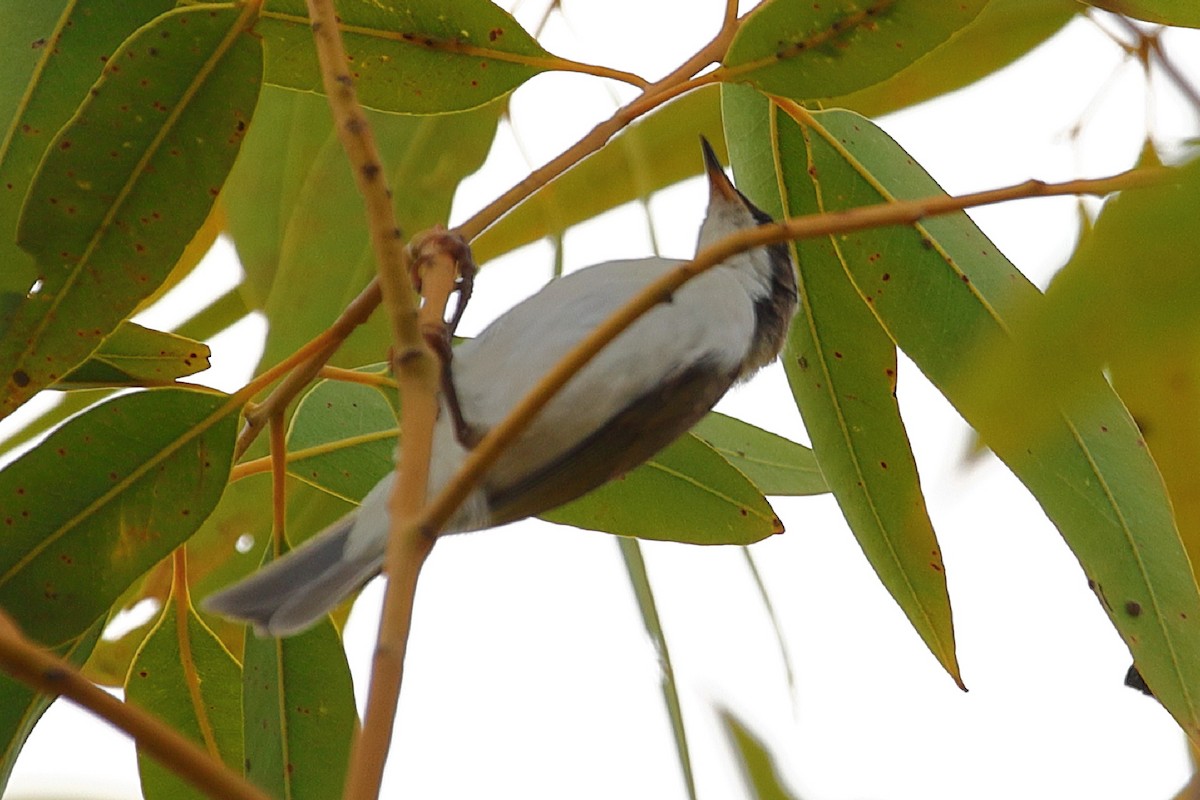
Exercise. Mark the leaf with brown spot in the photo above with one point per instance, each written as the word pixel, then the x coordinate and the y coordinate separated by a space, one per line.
pixel 418 57
pixel 109 217
pixel 171 449
pixel 184 676
pixel 807 51
pixel 137 356
pixel 846 392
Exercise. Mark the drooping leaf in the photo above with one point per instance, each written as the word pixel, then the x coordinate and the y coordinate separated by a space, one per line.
pixel 184 676
pixel 412 57
pixel 639 579
pixel 103 499
pixel 137 356
pixel 126 184
pixel 1165 12
pixel 687 493
pixel 342 438
pixel 759 773
pixel 21 707
pixel 774 464
pixel 54 50
pixel 812 50
pixel 939 285
pixel 1004 31
pixel 841 366
pixel 649 155
pixel 299 712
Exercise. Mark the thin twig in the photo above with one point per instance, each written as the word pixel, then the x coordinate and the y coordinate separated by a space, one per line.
pixel 41 669
pixel 418 375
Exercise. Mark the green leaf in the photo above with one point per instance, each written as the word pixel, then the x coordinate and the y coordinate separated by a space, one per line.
pixel 1004 31
pixel 842 369
pixel 342 438
pixel 758 769
pixel 21 707
pixel 1166 12
pixel 138 356
pixel 774 464
pixel 299 711
pixel 53 51
pixel 411 56
pixel 940 284
pixel 635 568
pixel 811 50
pixel 297 218
pixel 649 155
pixel 126 184
pixel 184 676
pixel 687 493
pixel 67 405
pixel 103 499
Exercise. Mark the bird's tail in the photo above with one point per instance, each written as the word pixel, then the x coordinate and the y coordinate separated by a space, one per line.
pixel 290 594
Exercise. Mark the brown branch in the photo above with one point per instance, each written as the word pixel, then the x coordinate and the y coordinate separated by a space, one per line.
pixel 36 667
pixel 419 376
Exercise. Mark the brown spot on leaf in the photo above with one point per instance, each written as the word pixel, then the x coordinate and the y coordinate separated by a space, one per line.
pixel 1133 608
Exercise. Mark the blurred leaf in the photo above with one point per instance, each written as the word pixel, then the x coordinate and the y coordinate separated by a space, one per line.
pixel 842 369
pixel 184 676
pixel 138 356
pixel 411 57
pixel 53 52
pixel 103 499
pixel 635 568
pixel 1162 391
pixel 811 50
pixel 649 155
pixel 1183 13
pixel 774 464
pixel 165 121
pixel 299 713
pixel 1104 308
pixel 21 707
pixel 1004 31
pixel 687 493
pixel 229 545
pixel 342 438
pixel 939 284
pixel 759 773
pixel 297 220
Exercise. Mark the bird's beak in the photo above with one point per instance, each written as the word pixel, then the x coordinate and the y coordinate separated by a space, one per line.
pixel 718 184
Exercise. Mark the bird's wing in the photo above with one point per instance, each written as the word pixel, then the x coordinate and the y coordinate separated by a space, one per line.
pixel 662 359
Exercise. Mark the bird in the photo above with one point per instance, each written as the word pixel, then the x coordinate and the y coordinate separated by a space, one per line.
pixel 645 389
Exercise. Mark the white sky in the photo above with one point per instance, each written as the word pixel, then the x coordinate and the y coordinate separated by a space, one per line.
pixel 529 674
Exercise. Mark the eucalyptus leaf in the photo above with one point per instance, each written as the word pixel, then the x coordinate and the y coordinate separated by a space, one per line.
pixel 940 284
pixel 143 471
pixel 812 50
pixel 138 356
pixel 184 676
pixel 53 51
pixel 410 56
pixel 841 366
pixel 165 121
